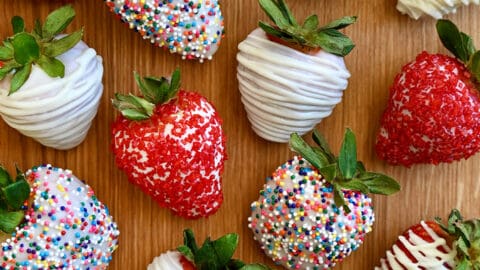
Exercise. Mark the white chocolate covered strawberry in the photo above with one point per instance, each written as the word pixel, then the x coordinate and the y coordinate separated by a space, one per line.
pixel 434 8
pixel 291 76
pixel 212 255
pixel 193 29
pixel 53 221
pixel 50 84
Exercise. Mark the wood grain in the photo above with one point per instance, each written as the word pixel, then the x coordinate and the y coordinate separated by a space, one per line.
pixel 385 41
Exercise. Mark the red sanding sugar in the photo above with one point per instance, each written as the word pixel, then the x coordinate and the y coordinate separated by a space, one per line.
pixel 432 114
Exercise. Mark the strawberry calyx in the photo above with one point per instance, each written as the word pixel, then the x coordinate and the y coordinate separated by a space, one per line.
pixel 39 47
pixel 467 235
pixel 214 255
pixel 461 46
pixel 13 195
pixel 344 172
pixel 309 34
pixel 154 90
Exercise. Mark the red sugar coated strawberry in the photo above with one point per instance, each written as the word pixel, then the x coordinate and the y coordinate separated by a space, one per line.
pixel 175 150
pixel 433 112
pixel 430 245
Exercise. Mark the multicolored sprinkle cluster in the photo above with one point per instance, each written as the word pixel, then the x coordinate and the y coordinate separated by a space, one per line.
pixel 193 29
pixel 297 223
pixel 66 227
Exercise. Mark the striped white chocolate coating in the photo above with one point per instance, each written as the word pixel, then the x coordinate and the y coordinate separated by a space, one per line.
pixel 284 90
pixel 427 255
pixel 57 112
pixel 169 260
pixel 434 8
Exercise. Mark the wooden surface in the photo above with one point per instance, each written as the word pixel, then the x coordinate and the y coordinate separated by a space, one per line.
pixel 385 41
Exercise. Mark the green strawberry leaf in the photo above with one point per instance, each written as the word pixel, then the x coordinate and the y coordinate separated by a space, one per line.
pixel 60 46
pixel 18 24
pixel 333 41
pixel 52 66
pixel 360 167
pixel 329 172
pixel 205 257
pixel 468 43
pixel 10 220
pixel 298 145
pixel 380 184
pixel 225 247
pixel 274 12
pixel 355 184
pixel 57 21
pixel 311 23
pixel 320 140
pixel 16 194
pixel 340 23
pixel 174 84
pixel 20 77
pixel 189 240
pixel 235 264
pixel 453 40
pixel 132 107
pixel 26 48
pixel 287 13
pixel 37 29
pixel 186 252
pixel 339 198
pixel 347 159
pixel 7 68
pixel 6 53
pixel 5 178
pixel 270 30
pixel 474 66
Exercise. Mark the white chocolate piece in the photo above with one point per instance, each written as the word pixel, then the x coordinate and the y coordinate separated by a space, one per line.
pixel 426 254
pixel 284 90
pixel 57 112
pixel 166 261
pixel 434 8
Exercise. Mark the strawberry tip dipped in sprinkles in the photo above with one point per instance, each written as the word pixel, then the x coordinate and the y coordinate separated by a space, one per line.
pixel 193 29
pixel 65 227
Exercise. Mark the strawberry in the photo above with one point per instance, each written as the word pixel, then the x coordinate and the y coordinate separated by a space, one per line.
pixel 431 245
pixel 212 255
pixel 292 75
pixel 433 113
pixel 193 29
pixel 50 83
pixel 49 211
pixel 314 210
pixel 434 8
pixel 173 147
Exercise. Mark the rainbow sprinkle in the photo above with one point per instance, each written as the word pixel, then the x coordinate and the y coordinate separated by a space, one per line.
pixel 193 29
pixel 66 227
pixel 297 223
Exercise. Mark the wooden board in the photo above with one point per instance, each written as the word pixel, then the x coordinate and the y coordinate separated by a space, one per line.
pixel 385 41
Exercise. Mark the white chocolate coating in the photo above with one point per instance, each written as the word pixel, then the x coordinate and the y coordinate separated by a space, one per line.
pixel 193 28
pixel 426 254
pixel 66 226
pixel 435 8
pixel 166 261
pixel 284 90
pixel 57 112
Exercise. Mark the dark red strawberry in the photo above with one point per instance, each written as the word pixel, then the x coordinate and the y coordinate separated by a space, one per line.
pixel 429 245
pixel 173 147
pixel 433 114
